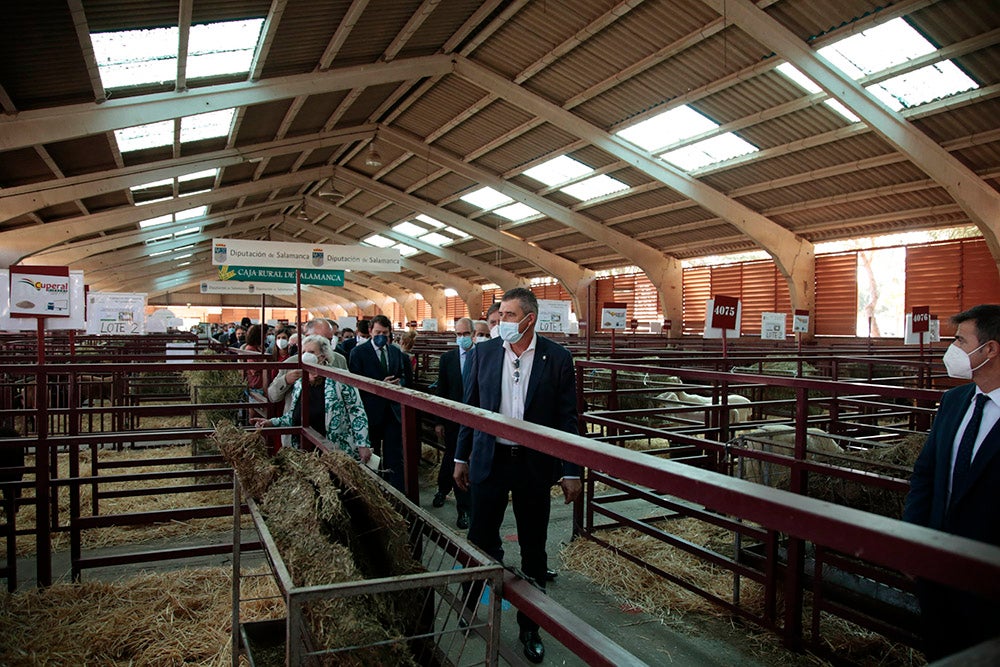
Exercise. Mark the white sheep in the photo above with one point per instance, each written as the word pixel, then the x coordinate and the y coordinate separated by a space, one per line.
pixel 780 439
pixel 735 414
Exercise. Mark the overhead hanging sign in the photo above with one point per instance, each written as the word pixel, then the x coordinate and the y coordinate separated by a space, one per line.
pixel 237 287
pixel 266 275
pixel 39 291
pixel 284 255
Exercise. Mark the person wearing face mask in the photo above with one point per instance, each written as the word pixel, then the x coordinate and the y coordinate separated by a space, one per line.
pixel 335 409
pixel 955 485
pixel 520 375
pixel 279 349
pixel 379 359
pixel 449 385
pixel 480 331
pixel 493 319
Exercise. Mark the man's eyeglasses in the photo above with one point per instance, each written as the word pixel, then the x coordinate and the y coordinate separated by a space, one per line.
pixel 517 371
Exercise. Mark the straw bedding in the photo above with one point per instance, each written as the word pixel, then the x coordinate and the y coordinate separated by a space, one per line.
pixel 332 523
pixel 180 617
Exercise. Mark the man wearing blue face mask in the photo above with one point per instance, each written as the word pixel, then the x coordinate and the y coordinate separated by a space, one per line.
pixel 520 375
pixel 956 480
pixel 449 385
pixel 378 359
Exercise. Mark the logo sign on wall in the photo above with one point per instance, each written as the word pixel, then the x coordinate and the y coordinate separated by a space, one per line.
pixel 283 255
pixel 333 278
pixel 613 316
pixel 39 291
pixel 800 321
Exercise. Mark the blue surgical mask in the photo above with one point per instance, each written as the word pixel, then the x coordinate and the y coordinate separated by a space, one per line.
pixel 380 340
pixel 270 339
pixel 510 331
pixel 465 342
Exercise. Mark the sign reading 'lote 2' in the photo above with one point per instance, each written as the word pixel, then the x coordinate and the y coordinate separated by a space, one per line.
pixel 282 255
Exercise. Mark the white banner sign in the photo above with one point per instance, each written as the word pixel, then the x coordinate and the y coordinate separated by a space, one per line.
pixel 429 324
pixel 122 313
pixel 613 318
pixel 553 316
pixel 236 287
pixel 772 326
pixel 284 255
pixel 74 322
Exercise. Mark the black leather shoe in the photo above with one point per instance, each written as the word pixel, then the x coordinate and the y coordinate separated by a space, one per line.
pixel 463 520
pixel 534 650
pixel 438 500
pixel 550 575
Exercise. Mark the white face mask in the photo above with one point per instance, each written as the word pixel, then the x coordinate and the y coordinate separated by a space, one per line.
pixel 482 338
pixel 956 361
pixel 510 331
pixel 361 339
pixel 310 358
pixel 495 331
pixel 282 343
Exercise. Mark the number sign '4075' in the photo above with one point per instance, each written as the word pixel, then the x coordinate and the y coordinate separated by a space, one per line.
pixel 724 312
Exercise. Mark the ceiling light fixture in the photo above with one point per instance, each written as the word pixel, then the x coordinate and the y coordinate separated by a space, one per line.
pixel 373 158
pixel 330 191
pixel 302 216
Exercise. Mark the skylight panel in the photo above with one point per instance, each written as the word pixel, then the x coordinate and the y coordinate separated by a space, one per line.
pixel 160 239
pixel 216 49
pixel 517 212
pixel 486 198
pixel 457 232
pixel 160 252
pixel 667 128
pixel 877 48
pixel 558 170
pixel 155 222
pixel 723 147
pixel 206 173
pixel 923 85
pixel 136 57
pixel 595 187
pixel 810 86
pixel 430 221
pixel 436 239
pixel 405 250
pixel 206 125
pixel 187 231
pixel 130 58
pixel 166 182
pixel 185 256
pixel 183 264
pixel 379 241
pixel 409 229
pixel 150 135
pixel 195 212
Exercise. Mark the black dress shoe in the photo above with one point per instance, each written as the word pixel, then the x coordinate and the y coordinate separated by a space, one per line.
pixel 550 575
pixel 534 650
pixel 463 520
pixel 438 500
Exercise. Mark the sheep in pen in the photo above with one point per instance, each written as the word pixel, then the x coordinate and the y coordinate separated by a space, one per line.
pixel 779 439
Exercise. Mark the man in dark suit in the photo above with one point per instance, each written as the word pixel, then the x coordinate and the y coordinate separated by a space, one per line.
pixel 379 359
pixel 449 385
pixel 956 480
pixel 522 376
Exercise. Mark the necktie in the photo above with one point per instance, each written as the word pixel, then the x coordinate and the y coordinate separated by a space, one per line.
pixel 963 462
pixel 381 357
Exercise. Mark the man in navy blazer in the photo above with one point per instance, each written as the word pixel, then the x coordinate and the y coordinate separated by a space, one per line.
pixel 522 376
pixel 956 488
pixel 385 429
pixel 450 385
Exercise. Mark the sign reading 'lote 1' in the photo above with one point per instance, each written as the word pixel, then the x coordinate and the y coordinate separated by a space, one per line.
pixel 282 255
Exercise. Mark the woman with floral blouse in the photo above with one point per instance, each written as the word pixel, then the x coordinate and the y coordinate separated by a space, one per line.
pixel 335 409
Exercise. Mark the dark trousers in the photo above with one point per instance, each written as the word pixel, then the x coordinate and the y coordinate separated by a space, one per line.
pixel 446 479
pixel 953 620
pixel 386 436
pixel 526 478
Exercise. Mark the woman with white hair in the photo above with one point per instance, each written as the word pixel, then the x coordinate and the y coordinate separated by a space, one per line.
pixel 335 409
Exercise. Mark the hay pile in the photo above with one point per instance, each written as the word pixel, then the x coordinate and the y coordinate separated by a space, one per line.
pixel 332 523
pixel 118 535
pixel 180 617
pixel 215 386
pixel 894 460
